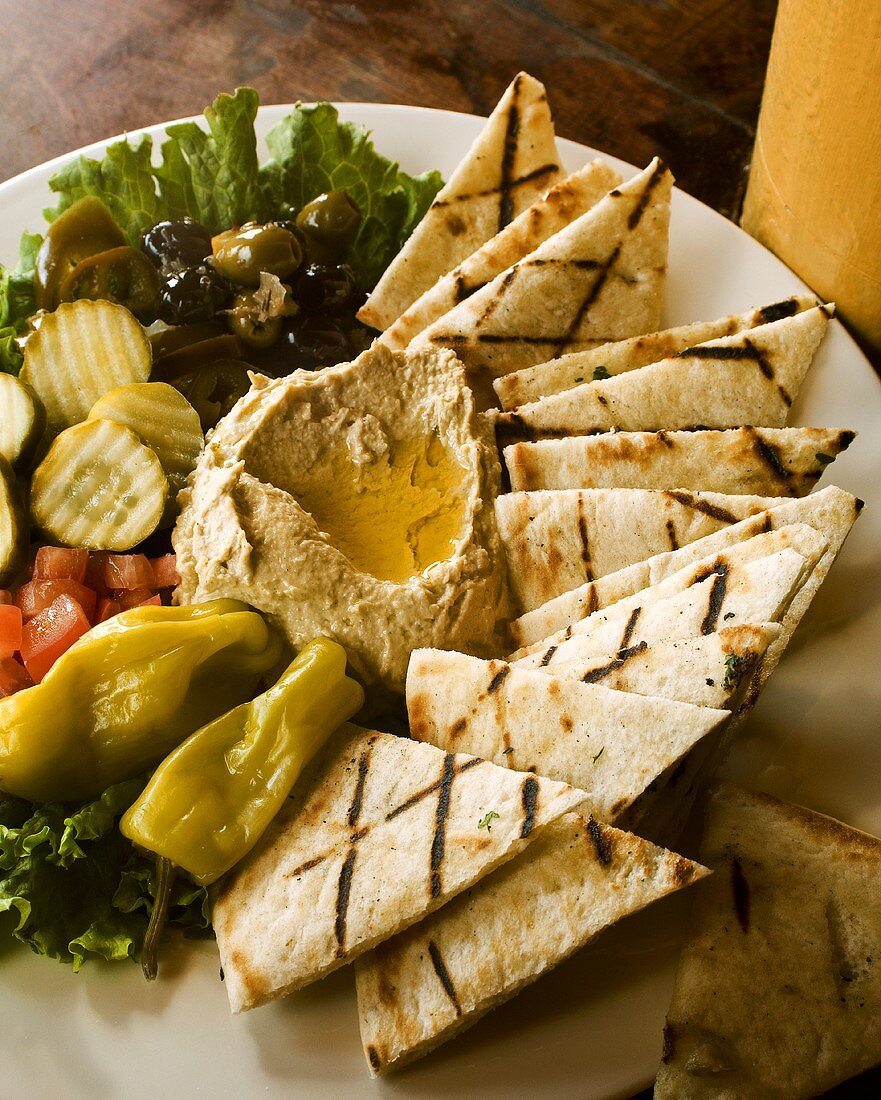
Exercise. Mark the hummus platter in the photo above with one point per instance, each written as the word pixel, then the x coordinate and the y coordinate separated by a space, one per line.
pixel 543 535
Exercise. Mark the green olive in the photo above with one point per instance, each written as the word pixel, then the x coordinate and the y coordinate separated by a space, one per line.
pixel 330 222
pixel 243 323
pixel 241 254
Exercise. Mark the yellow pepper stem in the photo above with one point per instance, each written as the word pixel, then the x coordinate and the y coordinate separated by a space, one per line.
pixel 209 802
pixel 165 872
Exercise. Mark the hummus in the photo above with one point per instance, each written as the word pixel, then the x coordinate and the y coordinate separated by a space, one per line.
pixel 355 503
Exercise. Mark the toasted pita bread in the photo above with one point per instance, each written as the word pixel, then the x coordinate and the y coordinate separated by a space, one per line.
pixel 578 367
pixel 690 604
pixel 558 539
pixel 512 162
pixel 610 743
pixel 710 671
pixel 778 991
pixel 830 511
pixel 577 878
pixel 379 832
pixel 564 202
pixel 764 461
pixel 749 378
pixel 599 279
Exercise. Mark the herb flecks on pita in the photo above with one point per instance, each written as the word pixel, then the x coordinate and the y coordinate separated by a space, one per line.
pixel 379 832
pixel 778 991
pixel 443 975
pixel 749 378
pixel 551 725
pixel 582 367
pixel 512 162
pixel 599 279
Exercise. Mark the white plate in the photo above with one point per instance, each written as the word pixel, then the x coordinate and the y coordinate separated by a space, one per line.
pixel 591 1029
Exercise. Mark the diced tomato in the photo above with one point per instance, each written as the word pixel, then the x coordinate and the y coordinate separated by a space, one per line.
pixel 5 597
pixel 95 572
pixel 13 677
pixel 165 574
pixel 51 633
pixel 10 630
pixel 128 571
pixel 54 563
pixel 134 598
pixel 106 610
pixel 36 596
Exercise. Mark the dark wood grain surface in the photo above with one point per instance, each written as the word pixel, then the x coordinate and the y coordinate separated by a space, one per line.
pixel 681 78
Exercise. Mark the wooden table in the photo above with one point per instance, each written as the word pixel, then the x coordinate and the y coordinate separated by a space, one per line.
pixel 681 78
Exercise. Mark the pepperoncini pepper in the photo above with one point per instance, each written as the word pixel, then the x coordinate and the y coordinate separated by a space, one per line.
pixel 210 801
pixel 85 228
pixel 127 693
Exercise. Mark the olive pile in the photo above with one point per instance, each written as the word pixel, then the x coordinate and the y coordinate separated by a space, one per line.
pixel 204 278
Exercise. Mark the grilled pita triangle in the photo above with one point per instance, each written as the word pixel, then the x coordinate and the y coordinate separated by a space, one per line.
pixel 599 279
pixel 565 201
pixel 512 162
pixel 764 461
pixel 778 991
pixel 749 378
pixel 559 539
pixel 610 743
pixel 830 511
pixel 724 589
pixel 578 367
pixel 379 832
pixel 433 981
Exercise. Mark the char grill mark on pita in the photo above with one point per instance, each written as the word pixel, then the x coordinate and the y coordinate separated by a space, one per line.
pixel 831 511
pixel 596 675
pixel 562 204
pixel 578 368
pixel 792 898
pixel 558 286
pixel 556 540
pixel 580 876
pixel 509 165
pixel 748 378
pixel 745 460
pixel 612 742
pixel 333 876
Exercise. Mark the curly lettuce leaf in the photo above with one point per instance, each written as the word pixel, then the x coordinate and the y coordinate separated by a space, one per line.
pixel 77 886
pixel 17 301
pixel 214 176
pixel 312 152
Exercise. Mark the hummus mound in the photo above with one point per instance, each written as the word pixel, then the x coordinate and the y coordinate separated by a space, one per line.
pixel 355 503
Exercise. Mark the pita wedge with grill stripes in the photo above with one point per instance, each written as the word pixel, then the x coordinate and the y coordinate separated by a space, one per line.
pixel 752 582
pixel 599 279
pixel 433 981
pixel 512 162
pixel 749 378
pixel 549 214
pixel 778 990
pixel 830 511
pixel 580 367
pixel 559 539
pixel 610 743
pixel 379 832
pixel 764 461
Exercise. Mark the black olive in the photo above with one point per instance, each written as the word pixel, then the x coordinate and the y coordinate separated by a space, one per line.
pixel 192 294
pixel 330 288
pixel 178 244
